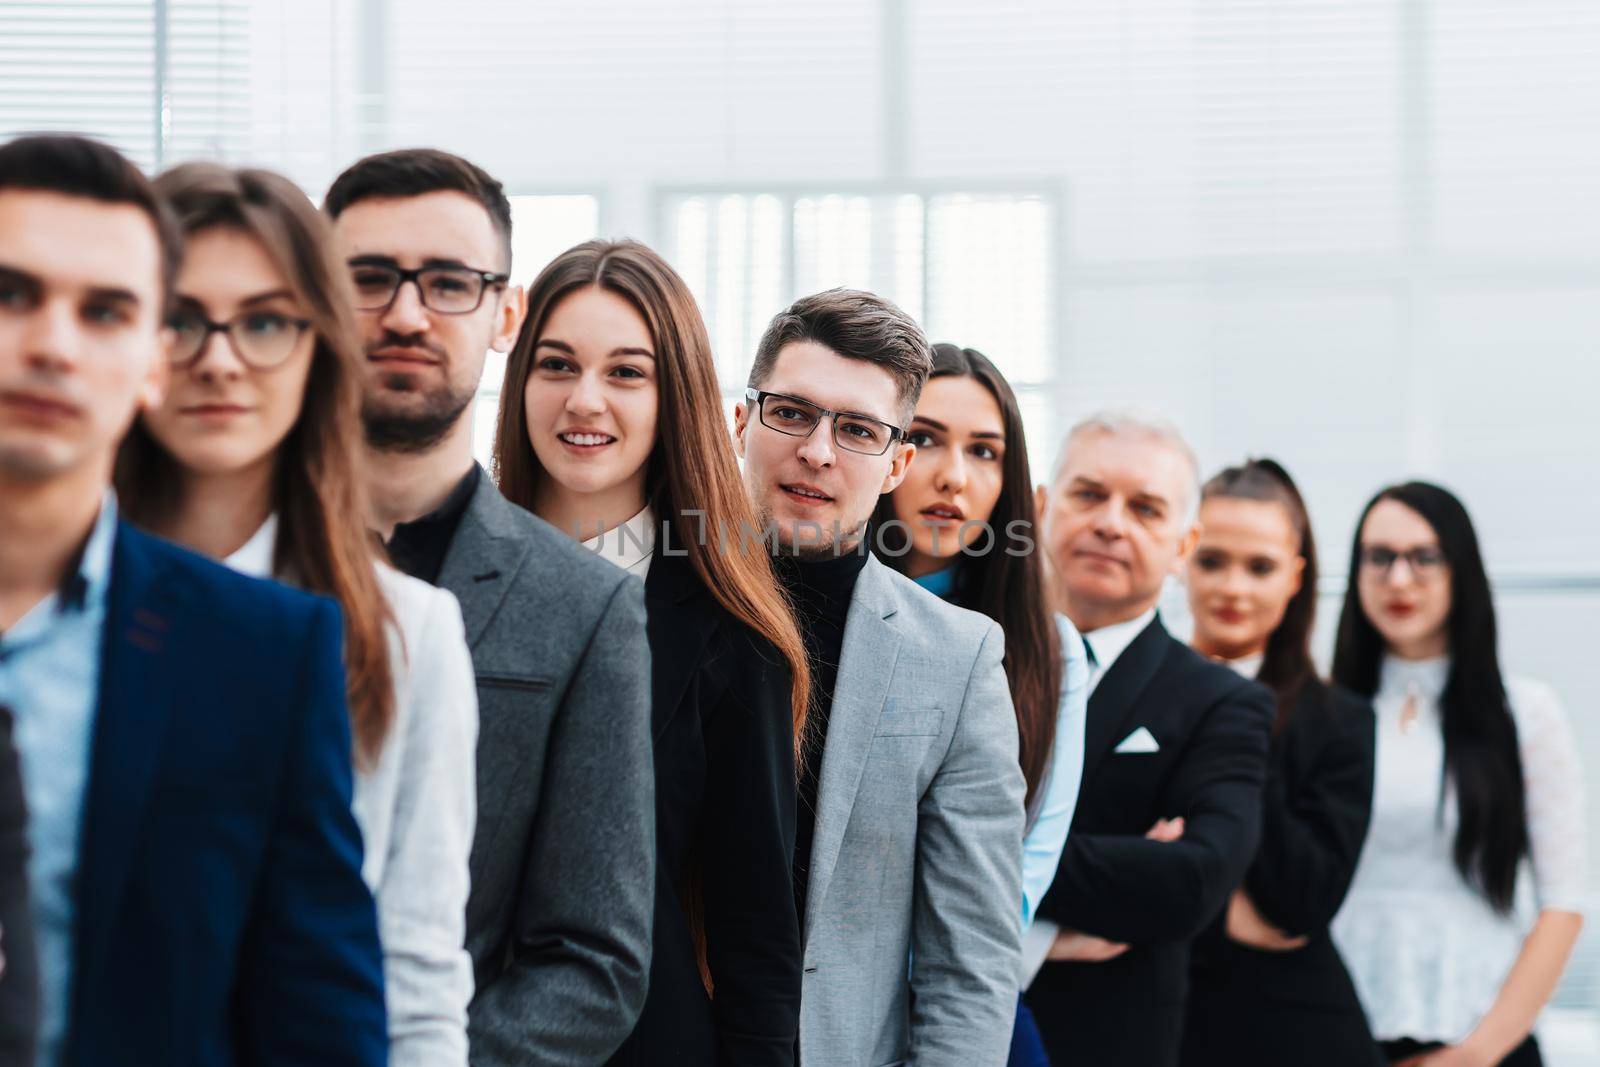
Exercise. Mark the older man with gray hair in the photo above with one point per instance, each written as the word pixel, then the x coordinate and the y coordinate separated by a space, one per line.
pixel 1170 807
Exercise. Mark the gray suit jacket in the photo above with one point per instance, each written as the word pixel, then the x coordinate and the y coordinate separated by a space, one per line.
pixel 563 867
pixel 918 850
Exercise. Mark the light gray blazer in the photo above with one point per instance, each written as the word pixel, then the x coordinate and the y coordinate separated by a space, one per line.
pixel 563 862
pixel 917 858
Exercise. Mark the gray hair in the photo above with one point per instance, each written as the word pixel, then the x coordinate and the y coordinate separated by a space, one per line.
pixel 1124 423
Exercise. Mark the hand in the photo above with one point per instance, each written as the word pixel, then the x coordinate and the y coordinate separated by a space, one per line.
pixel 1167 830
pixel 1247 926
pixel 1075 947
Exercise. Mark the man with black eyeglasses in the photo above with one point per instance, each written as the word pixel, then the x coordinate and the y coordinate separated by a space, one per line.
pixel 563 862
pixel 908 845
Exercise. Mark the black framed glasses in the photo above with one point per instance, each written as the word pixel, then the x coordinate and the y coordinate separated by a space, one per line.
pixel 1425 561
pixel 447 290
pixel 262 339
pixel 798 418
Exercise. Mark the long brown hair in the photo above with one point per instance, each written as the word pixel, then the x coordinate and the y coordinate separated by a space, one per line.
pixel 319 495
pixel 1007 587
pixel 691 466
pixel 1286 666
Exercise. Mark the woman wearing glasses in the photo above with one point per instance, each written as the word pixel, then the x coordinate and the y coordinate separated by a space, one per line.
pixel 611 429
pixel 253 460
pixel 1476 773
pixel 970 475
pixel 1267 985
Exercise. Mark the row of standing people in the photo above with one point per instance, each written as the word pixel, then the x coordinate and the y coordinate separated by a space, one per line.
pixel 882 758
pixel 460 794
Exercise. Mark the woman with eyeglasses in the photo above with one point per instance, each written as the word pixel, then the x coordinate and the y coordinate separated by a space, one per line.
pixel 612 429
pixel 950 527
pixel 1468 897
pixel 253 459
pixel 1267 986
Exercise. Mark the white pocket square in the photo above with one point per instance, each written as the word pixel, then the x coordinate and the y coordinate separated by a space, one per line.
pixel 1140 741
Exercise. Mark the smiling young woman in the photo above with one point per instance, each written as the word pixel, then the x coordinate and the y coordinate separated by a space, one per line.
pixel 611 429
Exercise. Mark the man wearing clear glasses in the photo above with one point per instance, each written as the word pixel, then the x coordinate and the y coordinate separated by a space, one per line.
pixel 908 845
pixel 563 861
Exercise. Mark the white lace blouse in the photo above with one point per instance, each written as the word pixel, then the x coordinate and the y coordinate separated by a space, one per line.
pixel 1427 952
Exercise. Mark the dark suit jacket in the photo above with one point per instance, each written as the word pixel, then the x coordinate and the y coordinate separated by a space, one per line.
pixel 19 984
pixel 725 815
pixel 563 860
pixel 221 915
pixel 1247 1006
pixel 1212 727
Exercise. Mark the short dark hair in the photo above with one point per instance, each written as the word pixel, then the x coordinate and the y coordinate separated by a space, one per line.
pixel 78 166
pixel 414 172
pixel 856 325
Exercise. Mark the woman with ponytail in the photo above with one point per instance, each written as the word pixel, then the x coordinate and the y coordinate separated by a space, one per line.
pixel 1267 986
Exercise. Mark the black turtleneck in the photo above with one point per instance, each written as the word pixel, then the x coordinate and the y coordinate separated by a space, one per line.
pixel 821 590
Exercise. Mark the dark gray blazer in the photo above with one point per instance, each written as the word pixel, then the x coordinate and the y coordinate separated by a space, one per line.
pixel 563 867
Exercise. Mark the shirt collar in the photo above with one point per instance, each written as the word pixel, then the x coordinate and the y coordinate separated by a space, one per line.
pixel 418 547
pixel 1246 666
pixel 630 545
pixel 1426 676
pixel 88 574
pixel 941 583
pixel 255 556
pixel 1109 642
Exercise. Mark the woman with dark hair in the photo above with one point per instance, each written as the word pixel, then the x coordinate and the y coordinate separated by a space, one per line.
pixel 1476 774
pixel 611 428
pixel 960 525
pixel 1267 985
pixel 253 459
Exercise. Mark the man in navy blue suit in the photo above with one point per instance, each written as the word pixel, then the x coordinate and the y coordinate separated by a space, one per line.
pixel 195 876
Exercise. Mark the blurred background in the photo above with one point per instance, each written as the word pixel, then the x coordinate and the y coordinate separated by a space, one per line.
pixel 1360 236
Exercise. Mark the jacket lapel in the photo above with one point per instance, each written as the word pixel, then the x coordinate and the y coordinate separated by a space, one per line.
pixel 1112 704
pixel 866 664
pixel 484 558
pixel 138 678
pixel 677 632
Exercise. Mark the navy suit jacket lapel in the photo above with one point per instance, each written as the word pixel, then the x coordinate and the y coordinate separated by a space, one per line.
pixel 139 675
pixel 1112 704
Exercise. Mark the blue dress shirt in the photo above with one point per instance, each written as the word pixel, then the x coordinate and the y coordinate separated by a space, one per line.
pixel 50 679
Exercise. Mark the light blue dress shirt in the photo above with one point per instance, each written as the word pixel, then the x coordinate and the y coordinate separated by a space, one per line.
pixel 1047 835
pixel 50 679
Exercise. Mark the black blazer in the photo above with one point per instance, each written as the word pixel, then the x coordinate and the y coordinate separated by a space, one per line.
pixel 19 984
pixel 1247 1006
pixel 1212 728
pixel 725 816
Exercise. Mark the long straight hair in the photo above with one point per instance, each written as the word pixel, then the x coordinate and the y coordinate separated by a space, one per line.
pixel 1286 667
pixel 320 495
pixel 1481 757
pixel 1009 588
pixel 691 468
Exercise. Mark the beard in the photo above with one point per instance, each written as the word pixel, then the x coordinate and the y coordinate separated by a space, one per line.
pixel 399 412
pixel 411 427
